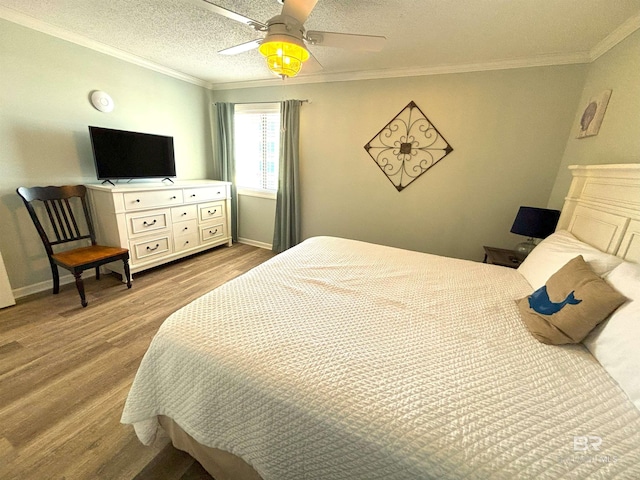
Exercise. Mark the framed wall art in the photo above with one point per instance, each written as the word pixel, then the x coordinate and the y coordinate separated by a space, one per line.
pixel 593 114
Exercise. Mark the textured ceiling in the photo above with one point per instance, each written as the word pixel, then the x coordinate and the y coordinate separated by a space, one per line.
pixel 422 35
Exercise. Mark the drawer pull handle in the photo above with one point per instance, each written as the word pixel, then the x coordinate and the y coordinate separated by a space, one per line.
pixel 173 198
pixel 149 224
pixel 137 200
pixel 185 228
pixel 154 248
pixel 214 211
pixel 183 213
pixel 214 232
pixel 193 195
pixel 186 242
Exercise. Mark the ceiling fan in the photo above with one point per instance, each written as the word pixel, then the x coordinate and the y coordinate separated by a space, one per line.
pixel 285 43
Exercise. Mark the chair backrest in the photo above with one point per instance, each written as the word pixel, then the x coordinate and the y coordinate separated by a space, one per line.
pixel 62 221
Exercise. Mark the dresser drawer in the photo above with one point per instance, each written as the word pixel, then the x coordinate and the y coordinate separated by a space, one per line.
pixel 185 228
pixel 212 232
pixel 146 249
pixel 146 222
pixel 151 199
pixel 192 195
pixel 186 212
pixel 210 211
pixel 184 242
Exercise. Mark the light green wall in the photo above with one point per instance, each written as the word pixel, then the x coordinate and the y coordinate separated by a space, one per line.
pixel 256 217
pixel 508 129
pixel 618 140
pixel 44 113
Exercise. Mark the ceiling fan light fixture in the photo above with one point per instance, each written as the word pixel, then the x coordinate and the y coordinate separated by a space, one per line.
pixel 284 56
pixel 284 46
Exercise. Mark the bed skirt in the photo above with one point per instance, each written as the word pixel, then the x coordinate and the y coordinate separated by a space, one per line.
pixel 221 465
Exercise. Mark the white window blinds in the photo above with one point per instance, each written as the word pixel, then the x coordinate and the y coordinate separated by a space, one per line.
pixel 257 145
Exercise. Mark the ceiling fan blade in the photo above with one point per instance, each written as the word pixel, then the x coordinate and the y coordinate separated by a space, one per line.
pixel 312 65
pixel 365 43
pixel 243 47
pixel 298 9
pixel 230 14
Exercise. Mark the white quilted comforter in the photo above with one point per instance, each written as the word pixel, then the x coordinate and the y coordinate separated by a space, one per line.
pixel 344 360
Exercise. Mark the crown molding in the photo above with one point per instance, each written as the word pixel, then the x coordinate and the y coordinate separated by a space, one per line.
pixel 622 32
pixel 539 61
pixel 615 37
pixel 40 26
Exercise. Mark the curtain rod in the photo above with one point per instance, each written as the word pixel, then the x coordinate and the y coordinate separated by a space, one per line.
pixel 276 101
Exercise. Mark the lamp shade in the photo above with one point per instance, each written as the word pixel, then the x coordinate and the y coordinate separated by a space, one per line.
pixel 535 222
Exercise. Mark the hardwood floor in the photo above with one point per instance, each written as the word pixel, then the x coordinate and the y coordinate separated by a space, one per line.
pixel 65 371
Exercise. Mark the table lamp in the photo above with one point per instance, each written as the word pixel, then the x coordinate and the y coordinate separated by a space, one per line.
pixel 533 223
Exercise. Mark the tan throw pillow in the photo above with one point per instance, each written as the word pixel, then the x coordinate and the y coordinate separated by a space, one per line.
pixel 570 305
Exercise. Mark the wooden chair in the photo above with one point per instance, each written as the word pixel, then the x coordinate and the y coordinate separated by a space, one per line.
pixel 62 223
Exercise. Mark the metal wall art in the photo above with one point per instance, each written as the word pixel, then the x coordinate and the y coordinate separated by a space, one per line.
pixel 407 146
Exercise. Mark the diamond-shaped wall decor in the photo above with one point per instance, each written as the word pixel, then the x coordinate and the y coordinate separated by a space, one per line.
pixel 407 146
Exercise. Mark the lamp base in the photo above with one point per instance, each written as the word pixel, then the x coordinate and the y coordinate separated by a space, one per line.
pixel 524 248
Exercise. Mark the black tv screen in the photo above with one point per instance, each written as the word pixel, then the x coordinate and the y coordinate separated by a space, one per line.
pixel 123 154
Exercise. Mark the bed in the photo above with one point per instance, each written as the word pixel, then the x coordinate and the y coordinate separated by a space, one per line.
pixel 340 359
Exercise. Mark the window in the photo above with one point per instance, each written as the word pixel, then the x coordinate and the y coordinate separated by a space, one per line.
pixel 257 145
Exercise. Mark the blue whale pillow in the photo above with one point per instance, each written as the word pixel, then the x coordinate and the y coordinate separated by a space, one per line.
pixel 571 304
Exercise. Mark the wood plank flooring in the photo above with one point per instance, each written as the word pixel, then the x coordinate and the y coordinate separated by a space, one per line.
pixel 65 371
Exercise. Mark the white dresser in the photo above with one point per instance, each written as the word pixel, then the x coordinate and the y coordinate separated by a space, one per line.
pixel 161 222
pixel 6 295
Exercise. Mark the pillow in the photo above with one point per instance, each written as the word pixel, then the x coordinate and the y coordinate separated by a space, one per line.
pixel 616 342
pixel 570 305
pixel 555 251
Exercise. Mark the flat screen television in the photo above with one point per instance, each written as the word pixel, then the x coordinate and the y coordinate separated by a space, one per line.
pixel 122 154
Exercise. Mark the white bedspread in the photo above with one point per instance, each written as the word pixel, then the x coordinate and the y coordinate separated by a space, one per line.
pixel 344 360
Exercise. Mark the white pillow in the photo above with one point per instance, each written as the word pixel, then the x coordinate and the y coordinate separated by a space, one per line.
pixel 616 342
pixel 555 251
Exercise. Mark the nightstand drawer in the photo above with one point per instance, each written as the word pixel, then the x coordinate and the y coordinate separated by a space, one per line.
pixel 502 257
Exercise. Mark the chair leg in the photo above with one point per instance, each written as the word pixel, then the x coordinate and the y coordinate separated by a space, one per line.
pixel 127 271
pixel 80 287
pixel 97 273
pixel 56 278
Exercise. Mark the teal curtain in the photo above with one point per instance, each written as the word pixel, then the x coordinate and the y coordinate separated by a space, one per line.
pixel 224 161
pixel 286 232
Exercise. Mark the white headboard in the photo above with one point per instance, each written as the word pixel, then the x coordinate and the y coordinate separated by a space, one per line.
pixel 603 208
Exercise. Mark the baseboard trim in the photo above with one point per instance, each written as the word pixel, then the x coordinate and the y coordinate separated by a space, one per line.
pixel 48 284
pixel 255 243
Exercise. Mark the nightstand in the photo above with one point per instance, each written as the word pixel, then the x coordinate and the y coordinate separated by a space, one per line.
pixel 502 257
